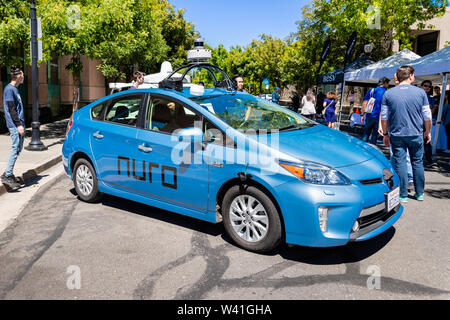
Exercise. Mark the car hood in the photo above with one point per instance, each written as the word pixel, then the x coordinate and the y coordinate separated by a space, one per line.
pixel 324 145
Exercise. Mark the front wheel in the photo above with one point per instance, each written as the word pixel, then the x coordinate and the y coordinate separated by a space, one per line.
pixel 85 181
pixel 251 219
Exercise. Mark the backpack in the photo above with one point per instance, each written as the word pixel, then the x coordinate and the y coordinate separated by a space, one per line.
pixel 371 103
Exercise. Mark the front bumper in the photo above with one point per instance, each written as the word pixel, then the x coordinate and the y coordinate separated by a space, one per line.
pixel 346 205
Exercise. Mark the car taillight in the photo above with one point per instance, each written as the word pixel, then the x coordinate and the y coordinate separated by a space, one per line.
pixel 69 125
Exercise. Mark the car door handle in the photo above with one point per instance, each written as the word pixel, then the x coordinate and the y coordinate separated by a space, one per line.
pixel 97 135
pixel 143 148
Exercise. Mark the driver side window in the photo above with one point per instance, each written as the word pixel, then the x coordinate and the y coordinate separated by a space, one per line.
pixel 165 115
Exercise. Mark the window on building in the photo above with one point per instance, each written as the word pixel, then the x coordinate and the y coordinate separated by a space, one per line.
pixel 427 43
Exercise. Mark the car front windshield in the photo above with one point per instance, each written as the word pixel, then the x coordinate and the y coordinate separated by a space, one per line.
pixel 245 112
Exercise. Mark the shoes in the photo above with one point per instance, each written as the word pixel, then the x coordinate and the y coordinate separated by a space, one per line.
pixel 10 181
pixel 403 199
pixel 419 197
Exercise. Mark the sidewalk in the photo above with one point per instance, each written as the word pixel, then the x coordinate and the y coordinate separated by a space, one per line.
pixel 31 163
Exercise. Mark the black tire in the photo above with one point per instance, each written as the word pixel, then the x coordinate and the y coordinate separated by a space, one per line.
pixel 269 218
pixel 85 181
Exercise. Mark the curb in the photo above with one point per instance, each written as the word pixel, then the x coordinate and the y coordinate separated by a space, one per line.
pixel 33 173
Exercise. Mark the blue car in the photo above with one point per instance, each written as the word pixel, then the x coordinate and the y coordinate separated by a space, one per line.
pixel 269 174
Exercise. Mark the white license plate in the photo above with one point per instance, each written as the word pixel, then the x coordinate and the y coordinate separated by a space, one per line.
pixel 393 199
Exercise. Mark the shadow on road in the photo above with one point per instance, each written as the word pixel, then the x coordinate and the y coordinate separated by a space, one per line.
pixel 352 252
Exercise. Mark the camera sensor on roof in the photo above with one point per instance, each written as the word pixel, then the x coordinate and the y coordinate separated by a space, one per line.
pixel 199 53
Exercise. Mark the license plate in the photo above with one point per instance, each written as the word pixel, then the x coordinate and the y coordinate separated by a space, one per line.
pixel 392 199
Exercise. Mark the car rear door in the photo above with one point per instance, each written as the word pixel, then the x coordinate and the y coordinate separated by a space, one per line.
pixel 114 143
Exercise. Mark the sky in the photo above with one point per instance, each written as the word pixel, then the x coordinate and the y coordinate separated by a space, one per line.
pixel 238 22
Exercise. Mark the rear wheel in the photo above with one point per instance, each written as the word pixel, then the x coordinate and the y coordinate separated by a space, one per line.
pixel 251 219
pixel 85 181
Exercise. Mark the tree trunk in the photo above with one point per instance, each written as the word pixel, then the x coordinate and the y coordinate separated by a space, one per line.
pixel 76 91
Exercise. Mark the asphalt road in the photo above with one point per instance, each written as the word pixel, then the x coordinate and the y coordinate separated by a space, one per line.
pixel 62 248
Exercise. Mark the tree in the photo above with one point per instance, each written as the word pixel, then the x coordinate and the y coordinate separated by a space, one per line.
pixel 13 31
pixel 123 35
pixel 337 19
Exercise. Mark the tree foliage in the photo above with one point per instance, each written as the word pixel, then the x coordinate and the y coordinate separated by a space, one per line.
pixel 124 35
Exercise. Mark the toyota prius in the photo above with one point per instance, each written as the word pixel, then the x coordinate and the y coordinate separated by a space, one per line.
pixel 267 173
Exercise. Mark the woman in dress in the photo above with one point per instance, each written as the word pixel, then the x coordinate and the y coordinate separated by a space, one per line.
pixel 329 105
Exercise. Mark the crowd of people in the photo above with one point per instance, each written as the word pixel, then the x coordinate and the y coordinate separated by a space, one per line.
pixel 403 116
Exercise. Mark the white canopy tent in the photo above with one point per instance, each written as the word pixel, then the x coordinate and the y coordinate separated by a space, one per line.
pixel 434 67
pixel 371 74
pixel 384 68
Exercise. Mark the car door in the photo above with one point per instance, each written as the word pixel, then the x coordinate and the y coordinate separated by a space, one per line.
pixel 114 143
pixel 175 171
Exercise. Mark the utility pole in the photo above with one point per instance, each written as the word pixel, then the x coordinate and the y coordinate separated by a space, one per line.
pixel 35 144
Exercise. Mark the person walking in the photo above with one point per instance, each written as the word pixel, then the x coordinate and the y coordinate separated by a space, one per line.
pixel 371 108
pixel 329 106
pixel 405 112
pixel 15 121
pixel 308 105
pixel 276 95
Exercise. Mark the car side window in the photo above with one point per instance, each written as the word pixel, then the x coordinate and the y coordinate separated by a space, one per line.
pixel 96 111
pixel 124 110
pixel 165 115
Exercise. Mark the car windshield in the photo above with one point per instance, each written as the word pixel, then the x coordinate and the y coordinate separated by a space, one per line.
pixel 245 112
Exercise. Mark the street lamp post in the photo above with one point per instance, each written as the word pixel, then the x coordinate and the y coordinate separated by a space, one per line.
pixel 35 144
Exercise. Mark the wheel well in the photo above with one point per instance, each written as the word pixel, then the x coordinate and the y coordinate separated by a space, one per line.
pixel 79 155
pixel 236 182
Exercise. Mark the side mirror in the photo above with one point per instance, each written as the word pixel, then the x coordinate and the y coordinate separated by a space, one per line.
pixel 190 135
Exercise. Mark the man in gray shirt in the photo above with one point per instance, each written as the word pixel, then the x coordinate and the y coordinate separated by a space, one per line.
pixel 405 111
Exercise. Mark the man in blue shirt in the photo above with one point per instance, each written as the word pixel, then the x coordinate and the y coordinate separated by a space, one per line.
pixel 405 112
pixel 15 121
pixel 372 118
pixel 276 95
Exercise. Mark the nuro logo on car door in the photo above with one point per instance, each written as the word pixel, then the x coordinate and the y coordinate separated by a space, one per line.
pixel 164 171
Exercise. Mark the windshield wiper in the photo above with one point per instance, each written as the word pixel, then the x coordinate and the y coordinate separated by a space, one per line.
pixel 293 127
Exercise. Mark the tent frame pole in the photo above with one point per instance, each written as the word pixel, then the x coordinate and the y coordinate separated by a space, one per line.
pixel 341 103
pixel 439 118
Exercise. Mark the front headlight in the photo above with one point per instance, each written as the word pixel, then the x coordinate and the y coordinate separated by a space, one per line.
pixel 315 173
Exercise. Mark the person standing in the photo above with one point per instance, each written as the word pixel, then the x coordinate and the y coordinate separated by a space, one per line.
pixel 15 121
pixel 308 105
pixel 320 99
pixel 329 105
pixel 295 101
pixel 427 86
pixel 138 79
pixel 446 119
pixel 374 96
pixel 239 82
pixel 276 95
pixel 405 112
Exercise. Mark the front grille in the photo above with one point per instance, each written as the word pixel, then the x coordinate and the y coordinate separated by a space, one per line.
pixel 372 218
pixel 371 181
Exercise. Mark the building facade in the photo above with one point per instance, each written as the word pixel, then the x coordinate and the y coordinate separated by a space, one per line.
pixel 56 89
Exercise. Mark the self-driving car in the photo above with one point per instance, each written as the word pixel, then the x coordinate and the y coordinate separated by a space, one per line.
pixel 219 155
